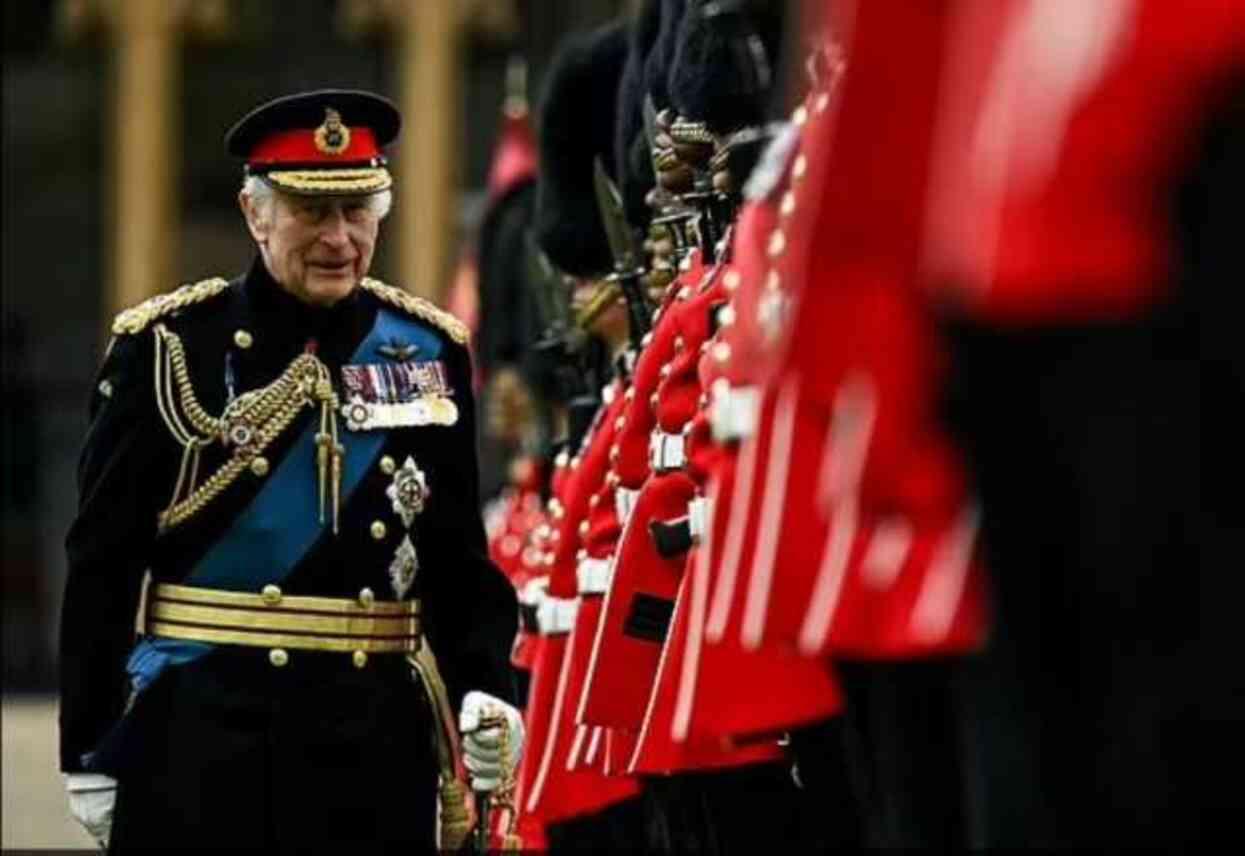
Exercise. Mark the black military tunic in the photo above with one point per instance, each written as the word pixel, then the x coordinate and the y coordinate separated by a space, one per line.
pixel 244 747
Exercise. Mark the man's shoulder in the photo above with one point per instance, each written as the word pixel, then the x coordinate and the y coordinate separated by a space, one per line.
pixel 138 318
pixel 419 308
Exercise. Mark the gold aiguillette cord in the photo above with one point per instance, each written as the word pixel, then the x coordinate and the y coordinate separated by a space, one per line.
pixel 329 451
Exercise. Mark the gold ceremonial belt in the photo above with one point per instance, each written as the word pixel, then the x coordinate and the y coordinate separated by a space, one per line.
pixel 273 619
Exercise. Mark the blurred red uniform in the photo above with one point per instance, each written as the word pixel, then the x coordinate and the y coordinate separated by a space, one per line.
pixel 1080 266
pixel 547 788
pixel 621 666
pixel 791 690
pixel 512 523
pixel 881 512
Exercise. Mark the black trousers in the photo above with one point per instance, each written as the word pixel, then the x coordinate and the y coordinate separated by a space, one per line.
pixel 741 810
pixel 1085 445
pixel 832 814
pixel 230 753
pixel 906 757
pixel 620 828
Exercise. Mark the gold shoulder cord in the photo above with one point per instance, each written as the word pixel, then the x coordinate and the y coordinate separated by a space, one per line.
pixel 136 318
pixel 250 423
pixel 418 307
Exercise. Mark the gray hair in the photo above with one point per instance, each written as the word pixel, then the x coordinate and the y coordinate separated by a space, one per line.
pixel 264 196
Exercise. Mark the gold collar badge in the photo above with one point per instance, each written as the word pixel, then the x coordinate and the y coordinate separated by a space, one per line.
pixel 332 137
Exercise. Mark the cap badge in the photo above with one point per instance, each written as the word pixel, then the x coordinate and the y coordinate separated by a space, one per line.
pixel 332 137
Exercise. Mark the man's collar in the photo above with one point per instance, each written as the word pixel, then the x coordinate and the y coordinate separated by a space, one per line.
pixel 269 298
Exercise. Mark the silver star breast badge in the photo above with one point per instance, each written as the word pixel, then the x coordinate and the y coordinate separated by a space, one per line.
pixel 403 567
pixel 408 492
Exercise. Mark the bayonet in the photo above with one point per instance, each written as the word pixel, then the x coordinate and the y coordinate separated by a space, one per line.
pixel 626 251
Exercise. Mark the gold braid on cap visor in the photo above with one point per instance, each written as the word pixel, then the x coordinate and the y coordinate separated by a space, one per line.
pixel 331 182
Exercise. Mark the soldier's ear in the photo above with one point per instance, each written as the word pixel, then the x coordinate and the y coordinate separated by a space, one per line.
pixel 258 218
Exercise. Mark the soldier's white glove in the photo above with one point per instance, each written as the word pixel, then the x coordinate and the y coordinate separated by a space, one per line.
pixel 92 797
pixel 481 722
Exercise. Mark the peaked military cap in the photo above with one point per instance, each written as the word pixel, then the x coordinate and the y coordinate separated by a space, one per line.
pixel 324 142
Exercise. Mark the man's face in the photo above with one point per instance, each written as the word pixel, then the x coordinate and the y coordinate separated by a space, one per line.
pixel 317 247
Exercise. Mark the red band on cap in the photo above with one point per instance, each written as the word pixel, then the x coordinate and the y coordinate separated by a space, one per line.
pixel 299 146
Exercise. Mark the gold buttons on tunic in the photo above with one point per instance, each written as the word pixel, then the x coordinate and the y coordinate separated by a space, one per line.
pixel 652 400
pixel 665 370
pixel 726 316
pixel 243 339
pixel 773 281
pixel 271 594
pixel 679 344
pixel 378 529
pixel 800 116
pixel 387 465
pixel 644 342
pixel 630 393
pixel 366 598
pixel 777 243
pixel 620 422
pixel 583 529
pixel 800 166
pixel 259 466
pixel 787 206
pixel 359 658
pixel 721 352
pixel 731 280
pixel 278 657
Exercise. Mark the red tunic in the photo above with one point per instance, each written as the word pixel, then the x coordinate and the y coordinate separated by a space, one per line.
pixel 546 788
pixel 880 512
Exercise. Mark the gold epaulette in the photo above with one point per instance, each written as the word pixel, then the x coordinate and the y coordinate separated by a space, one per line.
pixel 136 318
pixel 420 308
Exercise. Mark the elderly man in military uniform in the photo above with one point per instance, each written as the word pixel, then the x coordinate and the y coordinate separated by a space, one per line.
pixel 289 459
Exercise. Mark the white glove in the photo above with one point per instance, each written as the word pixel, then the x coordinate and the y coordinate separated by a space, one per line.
pixel 91 800
pixel 534 592
pixel 482 741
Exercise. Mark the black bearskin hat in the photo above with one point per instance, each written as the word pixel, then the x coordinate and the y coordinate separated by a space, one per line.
pixel 576 127
pixel 509 321
pixel 657 63
pixel 632 156
pixel 726 62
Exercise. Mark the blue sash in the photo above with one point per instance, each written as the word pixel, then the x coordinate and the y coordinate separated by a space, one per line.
pixel 282 523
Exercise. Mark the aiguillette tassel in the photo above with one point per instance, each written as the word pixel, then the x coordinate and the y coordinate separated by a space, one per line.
pixel 324 444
